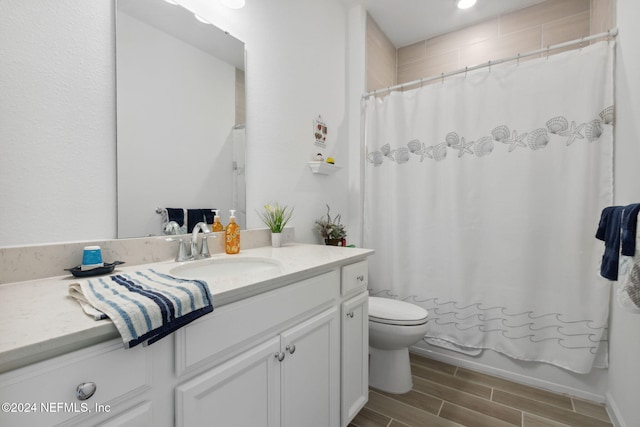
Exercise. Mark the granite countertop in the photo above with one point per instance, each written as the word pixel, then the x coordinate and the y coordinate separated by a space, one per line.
pixel 38 320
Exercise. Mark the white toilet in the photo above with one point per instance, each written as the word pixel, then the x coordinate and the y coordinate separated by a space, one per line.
pixel 393 327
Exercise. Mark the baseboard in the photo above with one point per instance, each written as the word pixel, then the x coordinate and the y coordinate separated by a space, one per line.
pixel 613 411
pixel 511 376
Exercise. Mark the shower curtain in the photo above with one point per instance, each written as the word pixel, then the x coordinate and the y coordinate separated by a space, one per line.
pixel 482 196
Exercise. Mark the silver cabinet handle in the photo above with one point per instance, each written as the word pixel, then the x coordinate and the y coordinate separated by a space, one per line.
pixel 280 356
pixel 291 348
pixel 350 314
pixel 85 390
pixel 360 278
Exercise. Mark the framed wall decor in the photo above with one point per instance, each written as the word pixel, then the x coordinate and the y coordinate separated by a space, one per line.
pixel 320 132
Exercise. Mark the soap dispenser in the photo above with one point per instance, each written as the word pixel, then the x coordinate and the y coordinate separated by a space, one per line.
pixel 232 235
pixel 217 225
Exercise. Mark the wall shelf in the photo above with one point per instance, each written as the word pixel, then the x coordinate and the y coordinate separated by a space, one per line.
pixel 323 168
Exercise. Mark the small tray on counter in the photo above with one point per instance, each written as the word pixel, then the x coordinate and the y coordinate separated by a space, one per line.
pixel 106 269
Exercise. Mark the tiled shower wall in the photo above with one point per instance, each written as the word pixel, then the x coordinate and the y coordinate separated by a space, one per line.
pixel 547 23
pixel 381 58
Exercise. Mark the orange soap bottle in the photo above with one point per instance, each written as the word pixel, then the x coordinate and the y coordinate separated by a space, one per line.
pixel 217 225
pixel 232 235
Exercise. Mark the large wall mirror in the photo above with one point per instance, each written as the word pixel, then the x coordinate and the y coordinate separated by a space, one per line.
pixel 180 116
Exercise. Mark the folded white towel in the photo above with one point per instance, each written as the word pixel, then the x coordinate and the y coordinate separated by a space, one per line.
pixel 145 305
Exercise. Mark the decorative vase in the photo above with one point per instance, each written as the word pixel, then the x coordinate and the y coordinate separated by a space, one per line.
pixel 276 240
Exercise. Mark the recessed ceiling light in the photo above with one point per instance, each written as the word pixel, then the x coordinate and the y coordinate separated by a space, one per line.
pixel 465 4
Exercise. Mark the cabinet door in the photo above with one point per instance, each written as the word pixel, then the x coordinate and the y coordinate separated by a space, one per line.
pixel 355 356
pixel 311 372
pixel 244 391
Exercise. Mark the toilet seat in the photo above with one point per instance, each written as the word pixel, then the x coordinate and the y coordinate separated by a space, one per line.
pixel 394 312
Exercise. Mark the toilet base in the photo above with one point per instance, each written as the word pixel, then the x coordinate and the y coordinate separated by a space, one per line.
pixel 390 370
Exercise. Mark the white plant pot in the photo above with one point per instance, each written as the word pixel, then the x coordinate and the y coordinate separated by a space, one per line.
pixel 276 240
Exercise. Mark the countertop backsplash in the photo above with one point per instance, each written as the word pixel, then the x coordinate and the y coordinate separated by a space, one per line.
pixel 33 262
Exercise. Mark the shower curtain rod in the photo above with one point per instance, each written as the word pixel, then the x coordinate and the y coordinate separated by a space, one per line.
pixel 610 33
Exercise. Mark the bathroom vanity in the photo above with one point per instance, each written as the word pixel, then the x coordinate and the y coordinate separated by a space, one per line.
pixel 288 348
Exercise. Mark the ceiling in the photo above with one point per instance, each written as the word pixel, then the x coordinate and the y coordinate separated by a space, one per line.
pixel 409 21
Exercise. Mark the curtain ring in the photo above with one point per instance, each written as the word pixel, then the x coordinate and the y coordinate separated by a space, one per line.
pixel 489 65
pixel 548 49
pixel 466 69
pixel 518 60
pixel 422 82
pixel 581 42
pixel 442 77
pixel 608 36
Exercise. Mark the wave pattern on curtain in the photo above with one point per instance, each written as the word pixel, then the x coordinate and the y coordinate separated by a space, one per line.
pixel 483 194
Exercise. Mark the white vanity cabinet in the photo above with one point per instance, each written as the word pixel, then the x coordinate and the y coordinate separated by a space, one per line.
pixel 355 341
pixel 355 356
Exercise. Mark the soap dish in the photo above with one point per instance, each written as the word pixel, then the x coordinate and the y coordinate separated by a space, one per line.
pixel 106 269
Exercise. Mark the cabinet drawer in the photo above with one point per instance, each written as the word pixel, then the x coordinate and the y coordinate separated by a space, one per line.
pixel 355 277
pixel 45 393
pixel 140 415
pixel 232 327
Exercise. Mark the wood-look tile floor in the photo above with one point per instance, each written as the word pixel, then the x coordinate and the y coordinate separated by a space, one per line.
pixel 444 395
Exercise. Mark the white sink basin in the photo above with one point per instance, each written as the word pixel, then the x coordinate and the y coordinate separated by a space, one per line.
pixel 227 267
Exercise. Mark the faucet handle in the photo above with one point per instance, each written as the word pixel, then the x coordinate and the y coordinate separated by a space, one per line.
pixel 204 252
pixel 182 252
pixel 182 248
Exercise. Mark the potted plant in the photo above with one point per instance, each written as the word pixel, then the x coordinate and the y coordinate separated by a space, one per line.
pixel 331 230
pixel 276 218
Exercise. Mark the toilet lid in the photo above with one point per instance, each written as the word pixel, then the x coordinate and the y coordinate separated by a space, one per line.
pixel 394 312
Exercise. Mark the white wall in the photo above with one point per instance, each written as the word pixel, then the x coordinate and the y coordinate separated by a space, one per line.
pixel 624 344
pixel 57 121
pixel 296 70
pixel 356 72
pixel 176 112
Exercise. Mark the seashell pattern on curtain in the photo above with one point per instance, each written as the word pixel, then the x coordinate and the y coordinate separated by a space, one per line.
pixel 556 130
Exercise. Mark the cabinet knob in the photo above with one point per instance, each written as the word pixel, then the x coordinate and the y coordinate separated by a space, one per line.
pixel 350 314
pixel 280 356
pixel 291 348
pixel 85 390
pixel 360 278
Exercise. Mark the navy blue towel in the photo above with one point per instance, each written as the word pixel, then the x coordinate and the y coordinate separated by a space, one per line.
pixel 609 232
pixel 176 215
pixel 628 229
pixel 194 216
pixel 208 215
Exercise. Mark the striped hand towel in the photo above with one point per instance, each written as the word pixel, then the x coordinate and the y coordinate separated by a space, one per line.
pixel 145 305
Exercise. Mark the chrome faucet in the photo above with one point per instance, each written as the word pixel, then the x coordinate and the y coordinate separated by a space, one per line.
pixel 204 252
